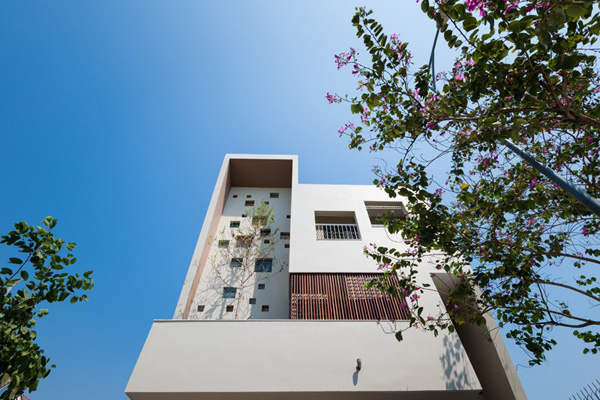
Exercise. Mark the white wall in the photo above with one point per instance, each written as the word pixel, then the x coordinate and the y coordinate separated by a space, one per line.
pixel 311 255
pixel 275 294
pixel 297 356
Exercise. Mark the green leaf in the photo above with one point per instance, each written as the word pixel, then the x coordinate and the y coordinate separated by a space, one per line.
pixel 357 108
pixel 575 10
pixel 15 260
pixel 398 336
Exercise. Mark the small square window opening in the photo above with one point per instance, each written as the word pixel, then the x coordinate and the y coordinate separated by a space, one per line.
pixel 265 309
pixel 229 292
pixel 263 265
pixel 235 196
pixel 200 308
pixel 261 286
pixel 234 224
pixel 229 308
pixel 249 203
pixel 253 301
pixel 265 232
pixel 236 262
pixel 288 217
pixel 248 196
pixel 223 244
pixel 287 246
pixel 285 236
pixel 243 242
pixel 274 195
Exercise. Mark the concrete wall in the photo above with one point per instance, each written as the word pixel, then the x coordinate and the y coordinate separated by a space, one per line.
pixel 251 169
pixel 311 255
pixel 286 357
pixel 218 273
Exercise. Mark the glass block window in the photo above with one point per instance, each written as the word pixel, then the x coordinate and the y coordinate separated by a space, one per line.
pixel 274 195
pixel 229 292
pixel 252 300
pixel 264 265
pixel 234 224
pixel 236 262
pixel 223 244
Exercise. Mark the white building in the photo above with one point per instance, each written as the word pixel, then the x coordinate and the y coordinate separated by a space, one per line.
pixel 294 325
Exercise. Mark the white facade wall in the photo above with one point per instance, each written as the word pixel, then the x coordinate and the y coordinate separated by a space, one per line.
pixel 216 275
pixel 316 359
pixel 272 357
pixel 311 255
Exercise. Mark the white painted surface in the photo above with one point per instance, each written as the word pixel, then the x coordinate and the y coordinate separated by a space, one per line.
pixel 297 356
pixel 311 255
pixel 215 273
pixel 275 356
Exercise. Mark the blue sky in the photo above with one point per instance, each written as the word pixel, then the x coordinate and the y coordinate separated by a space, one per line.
pixel 115 117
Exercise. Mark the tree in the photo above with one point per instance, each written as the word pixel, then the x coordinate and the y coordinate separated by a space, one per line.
pixel 36 277
pixel 527 72
pixel 243 258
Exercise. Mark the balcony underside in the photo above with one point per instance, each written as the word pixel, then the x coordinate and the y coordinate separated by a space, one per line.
pixel 285 359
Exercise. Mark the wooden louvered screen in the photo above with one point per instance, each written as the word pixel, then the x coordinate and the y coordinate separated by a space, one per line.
pixel 342 297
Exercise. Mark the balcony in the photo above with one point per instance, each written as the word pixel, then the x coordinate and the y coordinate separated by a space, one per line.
pixel 337 232
pixel 294 360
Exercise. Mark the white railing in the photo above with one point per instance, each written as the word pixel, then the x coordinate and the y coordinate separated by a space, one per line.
pixel 337 232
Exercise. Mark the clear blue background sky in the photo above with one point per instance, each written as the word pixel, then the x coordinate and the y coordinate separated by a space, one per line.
pixel 115 117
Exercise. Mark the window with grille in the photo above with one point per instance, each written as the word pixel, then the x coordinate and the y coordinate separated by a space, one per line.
pixel 378 211
pixel 336 225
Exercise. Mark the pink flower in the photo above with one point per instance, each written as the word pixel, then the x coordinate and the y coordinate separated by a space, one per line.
pixel 459 77
pixel 470 62
pixel 332 98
